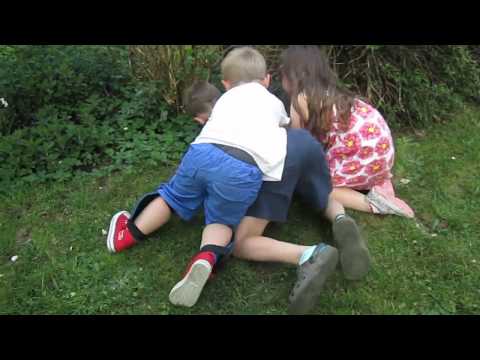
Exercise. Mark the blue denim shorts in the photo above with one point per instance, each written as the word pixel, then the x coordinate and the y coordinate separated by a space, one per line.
pixel 224 185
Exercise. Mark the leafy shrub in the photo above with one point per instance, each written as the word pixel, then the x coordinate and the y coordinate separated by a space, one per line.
pixel 107 134
pixel 56 75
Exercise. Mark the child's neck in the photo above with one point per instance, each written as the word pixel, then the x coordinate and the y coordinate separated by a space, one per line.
pixel 239 83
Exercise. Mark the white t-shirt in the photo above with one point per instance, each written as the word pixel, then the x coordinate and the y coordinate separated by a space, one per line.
pixel 250 118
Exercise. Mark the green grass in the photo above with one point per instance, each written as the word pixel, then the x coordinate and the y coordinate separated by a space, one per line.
pixel 427 266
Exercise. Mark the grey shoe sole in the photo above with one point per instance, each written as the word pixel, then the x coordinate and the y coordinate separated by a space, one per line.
pixel 304 297
pixel 188 290
pixel 354 254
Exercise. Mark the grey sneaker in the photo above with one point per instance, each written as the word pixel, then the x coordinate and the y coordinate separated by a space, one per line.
pixel 387 204
pixel 311 277
pixel 354 254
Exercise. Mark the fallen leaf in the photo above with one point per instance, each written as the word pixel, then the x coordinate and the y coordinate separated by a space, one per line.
pixel 104 232
pixel 405 181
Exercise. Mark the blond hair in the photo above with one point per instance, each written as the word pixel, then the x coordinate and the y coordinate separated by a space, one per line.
pixel 244 64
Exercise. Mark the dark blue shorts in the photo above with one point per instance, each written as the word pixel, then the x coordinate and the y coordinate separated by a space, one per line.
pixel 305 172
pixel 224 185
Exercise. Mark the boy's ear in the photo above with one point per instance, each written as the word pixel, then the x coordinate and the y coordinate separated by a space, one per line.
pixel 266 80
pixel 227 84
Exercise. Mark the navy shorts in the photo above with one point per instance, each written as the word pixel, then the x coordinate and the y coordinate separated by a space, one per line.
pixel 305 172
pixel 224 185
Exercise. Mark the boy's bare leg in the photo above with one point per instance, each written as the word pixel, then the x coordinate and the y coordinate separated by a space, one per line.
pixel 351 199
pixel 155 215
pixel 123 234
pixel 187 291
pixel 251 245
pixel 311 275
pixel 216 234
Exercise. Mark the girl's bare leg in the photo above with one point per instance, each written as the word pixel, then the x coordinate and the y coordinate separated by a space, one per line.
pixel 351 199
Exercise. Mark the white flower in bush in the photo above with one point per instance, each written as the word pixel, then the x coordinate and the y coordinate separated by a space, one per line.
pixel 4 102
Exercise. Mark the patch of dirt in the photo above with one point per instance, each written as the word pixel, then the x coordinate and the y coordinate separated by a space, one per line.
pixel 23 236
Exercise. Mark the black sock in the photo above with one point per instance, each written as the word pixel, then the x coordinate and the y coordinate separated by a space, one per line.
pixel 136 233
pixel 221 252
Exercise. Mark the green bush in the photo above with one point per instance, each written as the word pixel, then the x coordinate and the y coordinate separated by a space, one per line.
pixel 32 77
pixel 412 85
pixel 108 134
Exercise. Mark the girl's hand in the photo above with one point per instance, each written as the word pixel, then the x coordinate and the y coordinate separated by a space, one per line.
pixel 294 119
pixel 294 116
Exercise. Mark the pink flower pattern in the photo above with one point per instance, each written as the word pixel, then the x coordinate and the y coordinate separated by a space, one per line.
pixel 383 146
pixel 352 143
pixel 365 152
pixel 363 110
pixel 358 180
pixel 338 180
pixel 376 167
pixel 352 168
pixel 362 156
pixel 370 131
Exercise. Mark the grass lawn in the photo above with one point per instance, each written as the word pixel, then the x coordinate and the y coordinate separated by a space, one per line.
pixel 430 265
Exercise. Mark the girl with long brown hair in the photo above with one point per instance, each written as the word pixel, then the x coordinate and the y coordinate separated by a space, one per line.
pixel 357 139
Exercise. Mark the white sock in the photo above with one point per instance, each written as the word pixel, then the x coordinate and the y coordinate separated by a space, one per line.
pixel 307 254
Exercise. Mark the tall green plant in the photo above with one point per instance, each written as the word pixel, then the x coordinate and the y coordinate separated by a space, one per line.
pixel 173 67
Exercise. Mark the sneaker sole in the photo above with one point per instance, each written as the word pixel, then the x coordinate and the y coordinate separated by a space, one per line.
pixel 188 290
pixel 308 296
pixel 354 254
pixel 111 230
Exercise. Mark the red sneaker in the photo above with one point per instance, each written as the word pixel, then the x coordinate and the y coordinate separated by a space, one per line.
pixel 187 291
pixel 119 237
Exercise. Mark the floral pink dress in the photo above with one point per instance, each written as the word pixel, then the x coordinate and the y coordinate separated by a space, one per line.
pixel 361 157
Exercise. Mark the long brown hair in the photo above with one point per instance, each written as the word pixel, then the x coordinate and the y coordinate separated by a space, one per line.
pixel 308 72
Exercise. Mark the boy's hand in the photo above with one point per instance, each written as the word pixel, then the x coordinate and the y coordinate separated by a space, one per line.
pixel 201 121
pixel 202 118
